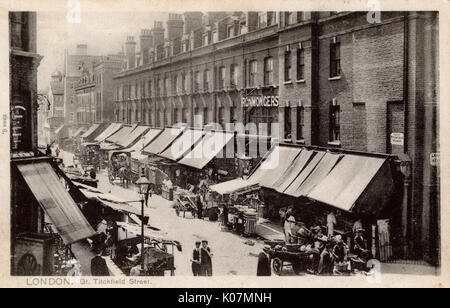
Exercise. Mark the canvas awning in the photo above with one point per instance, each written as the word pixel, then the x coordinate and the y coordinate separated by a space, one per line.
pixel 233 186
pixel 105 146
pixel 90 131
pixel 54 199
pixel 356 180
pixel 209 147
pixel 112 129
pixel 127 141
pixel 148 233
pixel 108 200
pixel 145 140
pixel 275 165
pixel 183 144
pixel 164 140
pixel 303 186
pixel 295 169
pixel 124 132
pixel 79 132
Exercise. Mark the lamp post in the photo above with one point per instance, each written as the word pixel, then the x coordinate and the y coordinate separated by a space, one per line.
pixel 143 189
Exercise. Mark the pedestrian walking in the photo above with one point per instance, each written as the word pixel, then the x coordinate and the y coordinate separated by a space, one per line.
pixel 197 259
pixel 57 152
pixel 206 260
pixel 98 265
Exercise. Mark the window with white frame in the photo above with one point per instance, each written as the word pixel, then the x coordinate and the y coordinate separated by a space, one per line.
pixel 221 77
pixel 268 71
pixel 253 73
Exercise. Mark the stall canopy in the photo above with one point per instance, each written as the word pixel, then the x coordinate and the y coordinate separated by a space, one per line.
pixel 133 137
pixel 356 180
pixel 164 140
pixel 112 129
pixel 296 168
pixel 233 186
pixel 80 131
pixel 183 144
pixel 210 146
pixel 90 131
pixel 308 179
pixel 107 200
pixel 105 146
pixel 124 132
pixel 59 206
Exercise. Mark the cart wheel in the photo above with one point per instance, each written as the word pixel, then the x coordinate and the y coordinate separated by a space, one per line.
pixel 277 266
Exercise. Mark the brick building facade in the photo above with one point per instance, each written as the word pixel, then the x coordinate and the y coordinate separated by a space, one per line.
pixel 329 79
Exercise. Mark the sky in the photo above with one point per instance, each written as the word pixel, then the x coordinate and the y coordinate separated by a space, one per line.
pixel 103 32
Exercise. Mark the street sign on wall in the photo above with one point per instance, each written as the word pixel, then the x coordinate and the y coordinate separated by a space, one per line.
pixel 397 139
pixel 435 159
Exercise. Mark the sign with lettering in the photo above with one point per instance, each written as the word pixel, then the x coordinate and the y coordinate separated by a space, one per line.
pixel 397 139
pixel 435 159
pixel 18 126
pixel 261 101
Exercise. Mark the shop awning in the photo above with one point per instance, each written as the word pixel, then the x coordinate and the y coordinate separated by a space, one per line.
pixel 275 165
pixel 209 147
pixel 122 133
pixel 59 206
pixel 356 179
pixel 80 131
pixel 127 141
pixel 108 200
pixel 105 146
pixel 294 170
pixel 112 129
pixel 233 186
pixel 303 186
pixel 163 141
pixel 90 131
pixel 148 233
pixel 183 144
pixel 145 141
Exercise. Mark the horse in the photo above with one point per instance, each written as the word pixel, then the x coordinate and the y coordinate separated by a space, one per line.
pixel 124 176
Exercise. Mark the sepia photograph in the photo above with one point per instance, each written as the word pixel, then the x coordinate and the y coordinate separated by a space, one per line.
pixel 297 144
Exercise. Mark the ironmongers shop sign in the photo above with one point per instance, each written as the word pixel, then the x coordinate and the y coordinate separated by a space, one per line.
pixel 260 101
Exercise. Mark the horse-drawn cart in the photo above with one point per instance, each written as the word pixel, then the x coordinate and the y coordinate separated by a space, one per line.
pixel 119 167
pixel 283 256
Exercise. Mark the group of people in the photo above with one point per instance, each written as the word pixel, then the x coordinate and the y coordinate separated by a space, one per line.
pixel 202 259
pixel 328 253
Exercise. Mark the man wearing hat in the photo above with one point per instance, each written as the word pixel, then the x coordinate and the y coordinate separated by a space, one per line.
pixel 360 247
pixel 197 259
pixel 206 260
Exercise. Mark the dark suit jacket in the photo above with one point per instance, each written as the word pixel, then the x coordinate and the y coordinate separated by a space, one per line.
pixel 99 267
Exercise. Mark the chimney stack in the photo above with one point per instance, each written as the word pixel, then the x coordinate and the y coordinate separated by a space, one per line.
pixel 158 34
pixel 192 21
pixel 175 26
pixel 82 49
pixel 130 52
pixel 146 42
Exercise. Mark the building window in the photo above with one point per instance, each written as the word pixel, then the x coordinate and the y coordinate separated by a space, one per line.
pixel 262 20
pixel 233 75
pixel 268 71
pixel 183 82
pixel 230 30
pixel 335 60
pixel 149 88
pixel 335 126
pixel 206 78
pixel 221 77
pixel 290 18
pixel 175 84
pixel 300 16
pixel 232 114
pixel 300 123
pixel 253 73
pixel 287 123
pixel 196 81
pixel 159 87
pixel 166 86
pixel 300 64
pixel 263 117
pixel 287 66
pixel 205 115
pixel 206 39
pixel 221 116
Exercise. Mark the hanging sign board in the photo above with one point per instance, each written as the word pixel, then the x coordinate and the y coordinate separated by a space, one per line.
pixel 435 159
